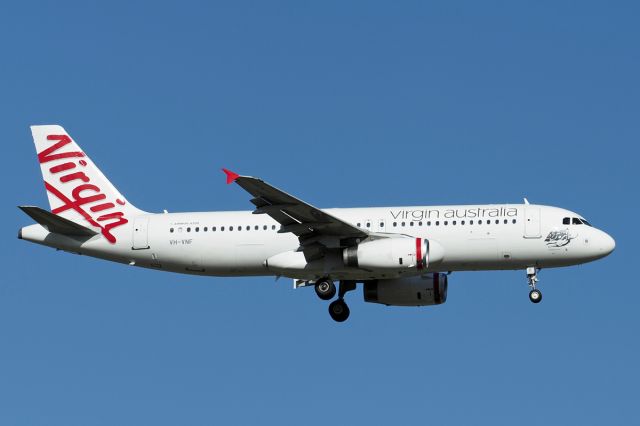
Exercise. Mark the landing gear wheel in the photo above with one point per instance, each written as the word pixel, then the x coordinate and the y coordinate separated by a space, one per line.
pixel 325 289
pixel 532 276
pixel 535 296
pixel 339 310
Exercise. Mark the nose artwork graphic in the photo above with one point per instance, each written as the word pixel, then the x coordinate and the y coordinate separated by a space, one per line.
pixel 559 238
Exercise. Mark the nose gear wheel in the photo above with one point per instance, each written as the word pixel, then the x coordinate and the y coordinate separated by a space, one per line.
pixel 535 295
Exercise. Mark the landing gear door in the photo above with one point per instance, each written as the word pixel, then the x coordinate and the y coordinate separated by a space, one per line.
pixel 532 222
pixel 141 233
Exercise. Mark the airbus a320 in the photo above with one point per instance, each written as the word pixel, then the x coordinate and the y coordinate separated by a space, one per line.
pixel 402 256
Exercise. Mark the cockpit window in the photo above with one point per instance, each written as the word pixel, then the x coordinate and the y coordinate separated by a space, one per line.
pixel 574 221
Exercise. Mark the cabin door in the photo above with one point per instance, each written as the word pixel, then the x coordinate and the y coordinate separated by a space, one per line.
pixel 532 222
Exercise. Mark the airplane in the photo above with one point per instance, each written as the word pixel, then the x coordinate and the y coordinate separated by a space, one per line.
pixel 402 256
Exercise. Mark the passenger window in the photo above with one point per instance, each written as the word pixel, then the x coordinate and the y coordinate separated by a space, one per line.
pixel 395 224
pixel 513 221
pixel 429 223
pixel 437 223
pixel 264 227
pixel 470 222
pixel 213 228
pixel 231 228
pixel 188 229
pixel 368 225
pixel 205 229
pixel 505 221
pixel 420 223
pixel 404 224
pixel 381 224
pixel 221 228
pixel 445 223
pixel 410 223
pixel 171 230
pixel 273 227
pixel 566 221
pixel 358 224
pixel 257 227
pixel 462 222
pixel 197 229
pixel 480 222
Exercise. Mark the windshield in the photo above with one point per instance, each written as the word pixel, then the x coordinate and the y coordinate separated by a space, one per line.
pixel 575 221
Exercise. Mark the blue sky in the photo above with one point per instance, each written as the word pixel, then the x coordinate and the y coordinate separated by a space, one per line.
pixel 342 104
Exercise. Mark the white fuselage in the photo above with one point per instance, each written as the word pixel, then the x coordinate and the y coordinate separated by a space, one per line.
pixel 399 254
pixel 238 243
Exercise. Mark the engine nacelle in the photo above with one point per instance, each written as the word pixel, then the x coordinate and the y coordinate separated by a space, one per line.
pixel 393 253
pixel 429 289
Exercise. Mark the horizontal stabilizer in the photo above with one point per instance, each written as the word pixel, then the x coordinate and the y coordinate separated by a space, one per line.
pixel 54 223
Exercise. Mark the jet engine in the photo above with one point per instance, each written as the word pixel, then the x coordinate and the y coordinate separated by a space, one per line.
pixel 393 253
pixel 429 289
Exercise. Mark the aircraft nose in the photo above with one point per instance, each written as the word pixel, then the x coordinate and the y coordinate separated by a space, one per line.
pixel 607 244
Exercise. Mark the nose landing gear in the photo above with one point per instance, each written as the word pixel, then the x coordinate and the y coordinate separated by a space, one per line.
pixel 535 295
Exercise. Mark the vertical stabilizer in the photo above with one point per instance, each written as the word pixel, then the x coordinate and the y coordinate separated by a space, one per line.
pixel 77 189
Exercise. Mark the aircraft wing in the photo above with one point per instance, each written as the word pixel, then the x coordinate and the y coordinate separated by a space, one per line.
pixel 294 215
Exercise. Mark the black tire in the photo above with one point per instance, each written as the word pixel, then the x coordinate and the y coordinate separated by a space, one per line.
pixel 325 289
pixel 339 310
pixel 535 296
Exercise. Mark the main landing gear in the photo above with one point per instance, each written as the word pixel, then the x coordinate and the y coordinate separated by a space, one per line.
pixel 326 289
pixel 339 310
pixel 535 295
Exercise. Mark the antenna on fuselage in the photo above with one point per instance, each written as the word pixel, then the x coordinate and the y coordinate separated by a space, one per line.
pixel 526 201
